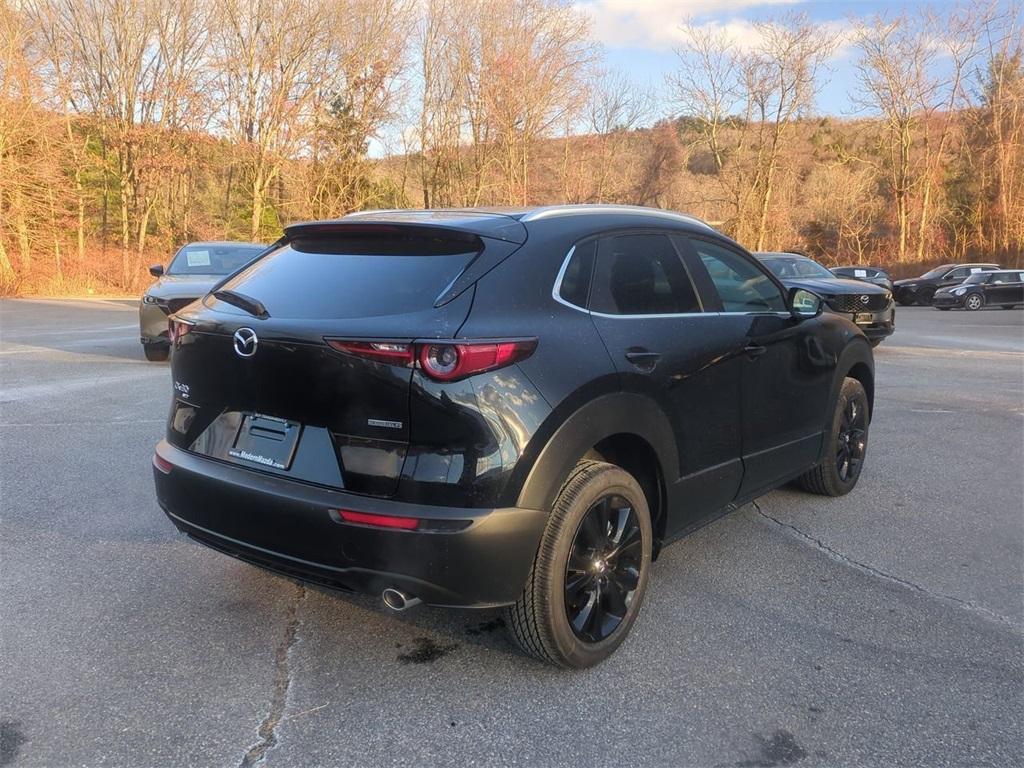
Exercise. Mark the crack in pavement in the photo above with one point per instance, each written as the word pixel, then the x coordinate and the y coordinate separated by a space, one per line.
pixel 267 731
pixel 871 570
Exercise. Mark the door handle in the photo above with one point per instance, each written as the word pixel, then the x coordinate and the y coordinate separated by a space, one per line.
pixel 754 350
pixel 644 361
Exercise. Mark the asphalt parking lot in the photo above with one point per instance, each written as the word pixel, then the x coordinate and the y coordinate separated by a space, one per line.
pixel 881 629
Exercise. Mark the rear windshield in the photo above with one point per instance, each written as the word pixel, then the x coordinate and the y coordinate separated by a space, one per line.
pixel 331 278
pixel 213 258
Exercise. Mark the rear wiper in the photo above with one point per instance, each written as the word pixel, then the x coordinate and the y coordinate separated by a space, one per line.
pixel 253 306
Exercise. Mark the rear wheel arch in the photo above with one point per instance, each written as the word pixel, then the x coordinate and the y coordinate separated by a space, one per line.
pixel 625 429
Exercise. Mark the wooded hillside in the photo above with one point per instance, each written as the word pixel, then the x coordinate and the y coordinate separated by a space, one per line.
pixel 128 127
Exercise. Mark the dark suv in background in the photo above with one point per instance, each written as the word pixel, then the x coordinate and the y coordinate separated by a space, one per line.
pixel 193 270
pixel 870 307
pixel 479 409
pixel 921 290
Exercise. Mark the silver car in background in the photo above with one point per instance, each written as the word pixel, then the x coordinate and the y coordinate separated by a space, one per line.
pixel 193 271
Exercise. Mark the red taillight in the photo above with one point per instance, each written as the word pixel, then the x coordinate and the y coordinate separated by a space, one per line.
pixel 447 362
pixel 441 361
pixel 178 328
pixel 162 464
pixel 379 521
pixel 392 353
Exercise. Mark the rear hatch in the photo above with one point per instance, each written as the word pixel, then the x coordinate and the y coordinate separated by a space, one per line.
pixel 287 403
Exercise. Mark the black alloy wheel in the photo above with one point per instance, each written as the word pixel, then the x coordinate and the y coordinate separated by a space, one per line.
pixel 847 444
pixel 592 568
pixel 603 571
pixel 851 442
pixel 925 296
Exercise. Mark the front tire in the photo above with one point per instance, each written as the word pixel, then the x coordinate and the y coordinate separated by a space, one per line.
pixel 838 473
pixel 925 296
pixel 156 353
pixel 591 570
pixel 973 302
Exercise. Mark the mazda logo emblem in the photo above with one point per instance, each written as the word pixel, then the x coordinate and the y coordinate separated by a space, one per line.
pixel 245 342
pixel 863 300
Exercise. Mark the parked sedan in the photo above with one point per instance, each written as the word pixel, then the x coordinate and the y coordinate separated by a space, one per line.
pixel 1004 288
pixel 192 272
pixel 921 290
pixel 869 306
pixel 872 275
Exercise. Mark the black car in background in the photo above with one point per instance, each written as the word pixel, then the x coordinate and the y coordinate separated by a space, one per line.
pixel 520 409
pixel 193 270
pixel 1004 288
pixel 920 290
pixel 872 275
pixel 870 307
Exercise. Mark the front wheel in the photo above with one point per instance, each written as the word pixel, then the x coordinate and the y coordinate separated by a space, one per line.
pixel 838 472
pixel 590 574
pixel 925 296
pixel 974 302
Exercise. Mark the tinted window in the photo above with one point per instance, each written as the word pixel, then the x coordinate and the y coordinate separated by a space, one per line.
pixel 794 266
pixel 213 258
pixel 333 278
pixel 641 275
pixel 576 280
pixel 741 286
pixel 1005 277
pixel 958 273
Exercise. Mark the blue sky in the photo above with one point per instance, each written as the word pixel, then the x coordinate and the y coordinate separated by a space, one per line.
pixel 639 35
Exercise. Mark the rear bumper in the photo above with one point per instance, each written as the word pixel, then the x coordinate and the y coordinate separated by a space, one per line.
pixel 465 558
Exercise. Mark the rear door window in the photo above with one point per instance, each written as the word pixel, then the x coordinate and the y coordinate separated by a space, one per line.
pixel 740 284
pixel 575 285
pixel 641 274
pixel 343 277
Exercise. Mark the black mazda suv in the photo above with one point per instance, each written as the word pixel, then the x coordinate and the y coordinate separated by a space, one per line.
pixel 520 409
pixel 869 306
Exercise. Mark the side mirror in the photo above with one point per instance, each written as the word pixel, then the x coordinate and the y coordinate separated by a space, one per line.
pixel 804 304
pixel 157 270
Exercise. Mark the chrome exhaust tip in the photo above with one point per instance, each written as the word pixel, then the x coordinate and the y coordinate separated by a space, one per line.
pixel 397 600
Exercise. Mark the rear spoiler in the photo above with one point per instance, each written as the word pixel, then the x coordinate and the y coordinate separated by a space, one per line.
pixel 486 224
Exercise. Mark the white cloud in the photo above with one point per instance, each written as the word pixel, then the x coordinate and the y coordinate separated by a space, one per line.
pixel 654 24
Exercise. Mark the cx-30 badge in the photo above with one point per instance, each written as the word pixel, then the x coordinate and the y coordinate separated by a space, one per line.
pixel 245 342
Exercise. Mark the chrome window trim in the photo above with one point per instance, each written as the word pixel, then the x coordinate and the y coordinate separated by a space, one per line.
pixel 556 290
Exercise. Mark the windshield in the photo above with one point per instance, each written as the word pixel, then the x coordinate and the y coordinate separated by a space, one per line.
pixel 937 272
pixel 213 258
pixel 795 266
pixel 346 277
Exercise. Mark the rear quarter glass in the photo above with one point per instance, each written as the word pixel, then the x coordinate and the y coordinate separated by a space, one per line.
pixel 333 278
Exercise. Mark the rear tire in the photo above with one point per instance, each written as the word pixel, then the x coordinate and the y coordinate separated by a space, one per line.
pixel 580 564
pixel 156 353
pixel 973 302
pixel 943 309
pixel 838 473
pixel 925 296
